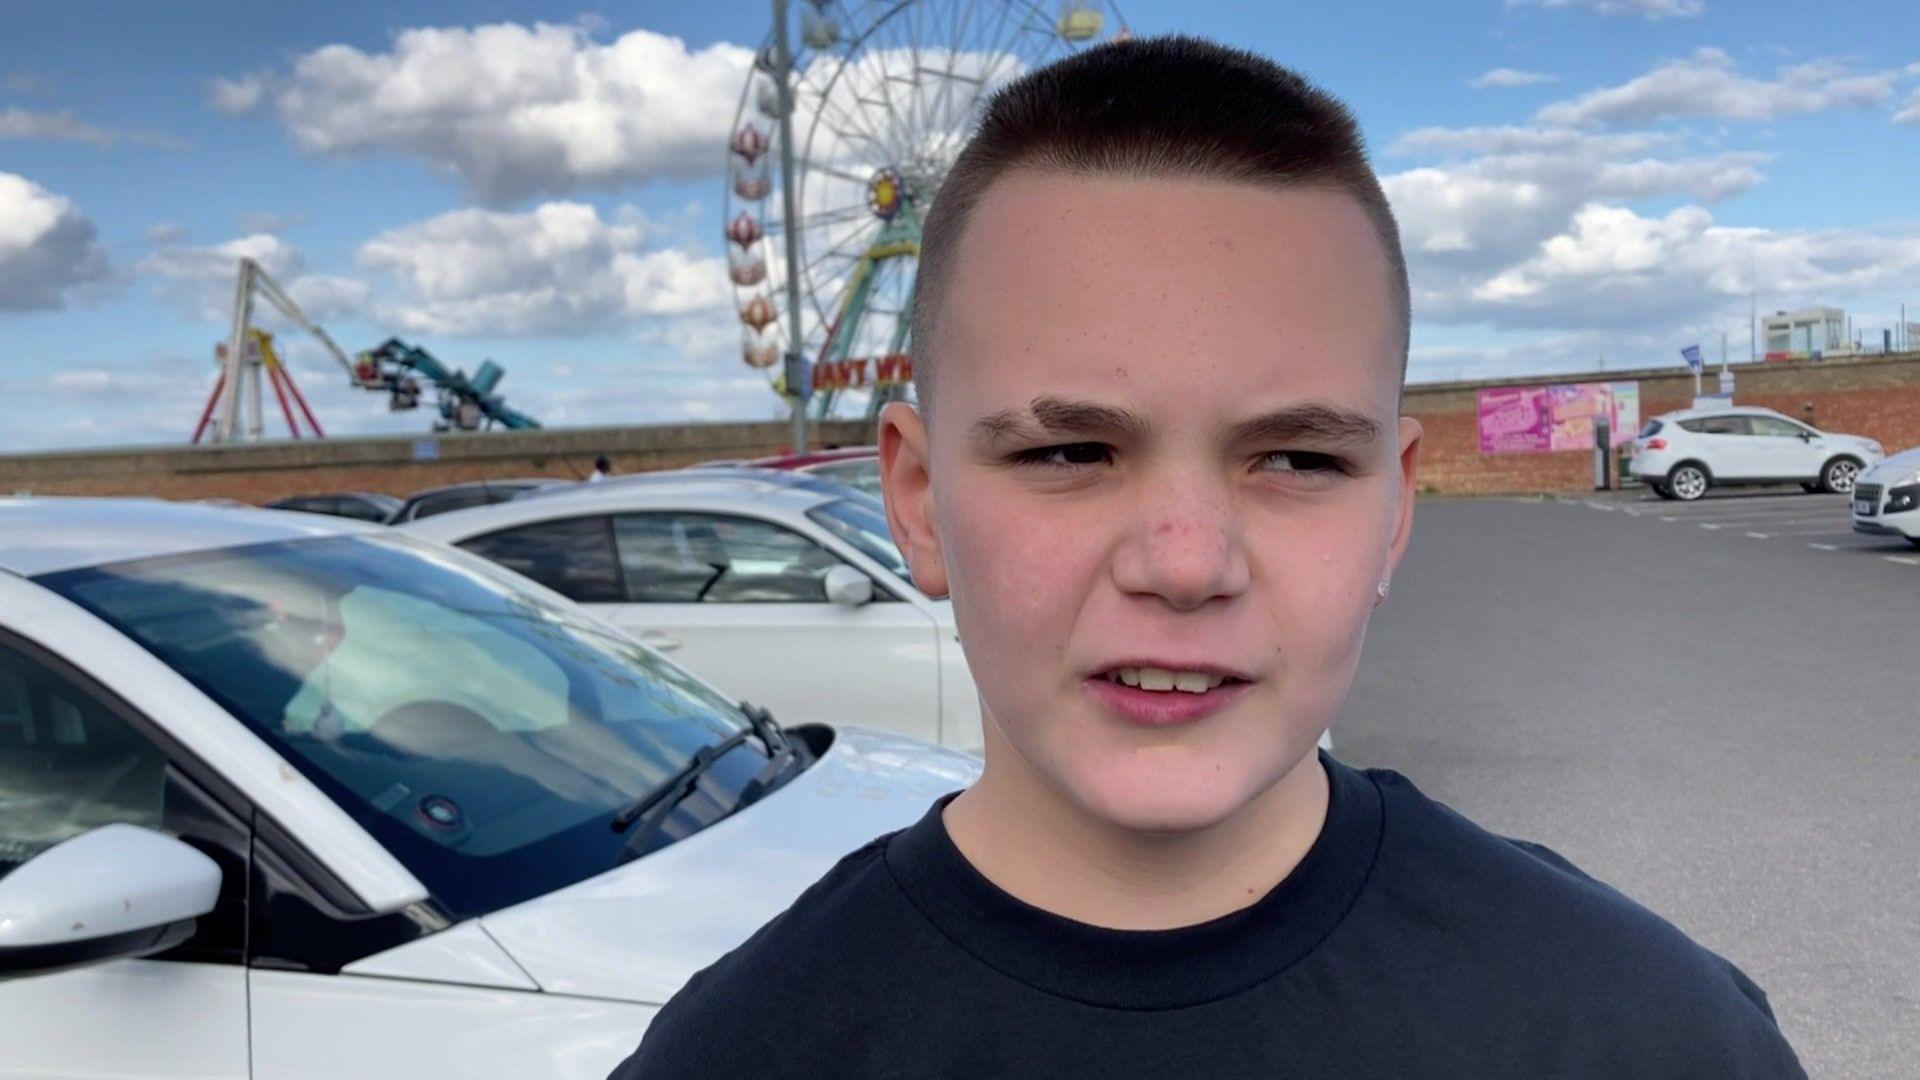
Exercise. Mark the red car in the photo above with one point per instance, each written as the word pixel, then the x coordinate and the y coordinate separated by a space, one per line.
pixel 855 466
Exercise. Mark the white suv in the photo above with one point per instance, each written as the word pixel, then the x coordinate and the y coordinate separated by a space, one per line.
pixel 1682 454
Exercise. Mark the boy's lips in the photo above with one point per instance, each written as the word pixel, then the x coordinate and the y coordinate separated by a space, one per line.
pixel 1204 667
pixel 1160 708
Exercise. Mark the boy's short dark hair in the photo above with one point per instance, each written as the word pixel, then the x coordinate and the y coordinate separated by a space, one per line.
pixel 1168 106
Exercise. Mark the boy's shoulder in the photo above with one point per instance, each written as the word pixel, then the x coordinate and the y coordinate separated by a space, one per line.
pixel 1541 928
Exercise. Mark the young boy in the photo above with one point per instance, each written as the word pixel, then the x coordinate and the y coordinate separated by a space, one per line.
pixel 1159 466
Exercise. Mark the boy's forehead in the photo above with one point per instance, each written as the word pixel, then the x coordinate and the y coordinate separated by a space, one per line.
pixel 1067 286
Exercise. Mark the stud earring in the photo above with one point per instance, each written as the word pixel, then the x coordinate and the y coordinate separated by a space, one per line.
pixel 1382 588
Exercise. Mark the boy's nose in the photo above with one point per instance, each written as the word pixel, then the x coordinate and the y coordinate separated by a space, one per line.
pixel 1186 551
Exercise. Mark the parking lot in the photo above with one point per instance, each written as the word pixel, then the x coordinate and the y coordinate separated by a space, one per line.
pixel 1711 706
pixel 1819 523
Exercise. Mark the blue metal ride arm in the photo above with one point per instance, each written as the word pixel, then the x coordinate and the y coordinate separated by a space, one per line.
pixel 391 358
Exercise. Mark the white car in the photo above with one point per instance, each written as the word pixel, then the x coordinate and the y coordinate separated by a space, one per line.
pixel 1886 499
pixel 285 796
pixel 781 589
pixel 1682 454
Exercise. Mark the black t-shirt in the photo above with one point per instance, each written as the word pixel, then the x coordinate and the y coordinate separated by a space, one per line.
pixel 1407 943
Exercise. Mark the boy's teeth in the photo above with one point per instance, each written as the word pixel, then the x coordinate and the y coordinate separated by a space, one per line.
pixel 1160 679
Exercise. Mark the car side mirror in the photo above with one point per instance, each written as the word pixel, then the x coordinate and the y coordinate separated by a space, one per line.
pixel 848 586
pixel 115 892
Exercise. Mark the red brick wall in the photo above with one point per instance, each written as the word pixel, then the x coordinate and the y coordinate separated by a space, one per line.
pixel 1878 397
pixel 262 472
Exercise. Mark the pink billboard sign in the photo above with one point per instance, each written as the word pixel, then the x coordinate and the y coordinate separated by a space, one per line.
pixel 1513 418
pixel 1535 419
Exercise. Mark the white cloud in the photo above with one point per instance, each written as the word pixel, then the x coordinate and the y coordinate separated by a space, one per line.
pixel 324 296
pixel 512 110
pixel 63 126
pixel 1910 112
pixel 558 269
pixel 1651 9
pixel 201 279
pixel 1613 267
pixel 238 96
pixel 47 247
pixel 18 123
pixel 1503 190
pixel 165 232
pixel 1505 78
pixel 1707 84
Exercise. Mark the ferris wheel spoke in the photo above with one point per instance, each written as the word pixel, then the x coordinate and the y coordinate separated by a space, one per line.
pixel 861 135
pixel 848 125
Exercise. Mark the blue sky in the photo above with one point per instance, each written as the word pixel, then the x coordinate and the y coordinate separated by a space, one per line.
pixel 1574 178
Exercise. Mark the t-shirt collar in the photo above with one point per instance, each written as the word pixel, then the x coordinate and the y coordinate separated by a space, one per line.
pixel 1147 969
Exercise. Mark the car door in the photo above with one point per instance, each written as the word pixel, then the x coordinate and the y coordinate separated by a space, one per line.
pixel 741 601
pixel 73 758
pixel 1729 447
pixel 1791 451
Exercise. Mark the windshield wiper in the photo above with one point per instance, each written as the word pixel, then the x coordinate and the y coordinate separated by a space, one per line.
pixel 651 810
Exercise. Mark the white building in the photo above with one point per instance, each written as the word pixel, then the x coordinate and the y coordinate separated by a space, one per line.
pixel 1799 335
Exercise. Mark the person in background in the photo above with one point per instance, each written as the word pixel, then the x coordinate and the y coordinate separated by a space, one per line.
pixel 602 468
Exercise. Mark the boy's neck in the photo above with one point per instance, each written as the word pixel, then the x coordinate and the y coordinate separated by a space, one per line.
pixel 1045 850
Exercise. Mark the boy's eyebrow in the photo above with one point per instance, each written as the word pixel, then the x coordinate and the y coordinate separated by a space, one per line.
pixel 1316 420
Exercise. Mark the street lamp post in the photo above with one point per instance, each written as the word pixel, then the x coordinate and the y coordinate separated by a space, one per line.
pixel 799 379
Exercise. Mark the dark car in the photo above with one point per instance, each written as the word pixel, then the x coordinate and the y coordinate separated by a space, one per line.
pixel 439 500
pixel 362 505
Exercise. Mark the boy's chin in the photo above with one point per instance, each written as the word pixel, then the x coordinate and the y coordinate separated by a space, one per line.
pixel 1170 796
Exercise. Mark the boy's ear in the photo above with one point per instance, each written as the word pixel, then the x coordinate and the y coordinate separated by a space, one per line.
pixel 906 480
pixel 1410 434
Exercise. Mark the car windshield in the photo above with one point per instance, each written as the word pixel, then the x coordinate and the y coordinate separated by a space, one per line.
pixel 863 525
pixel 480 730
pixel 1653 428
pixel 861 473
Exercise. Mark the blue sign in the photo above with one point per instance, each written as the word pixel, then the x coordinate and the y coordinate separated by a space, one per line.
pixel 1692 353
pixel 426 450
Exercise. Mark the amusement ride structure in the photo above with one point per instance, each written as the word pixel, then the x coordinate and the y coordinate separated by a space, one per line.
pixel 880 98
pixel 248 357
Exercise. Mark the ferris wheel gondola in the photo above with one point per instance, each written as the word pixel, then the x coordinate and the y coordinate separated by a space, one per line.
pixel 885 93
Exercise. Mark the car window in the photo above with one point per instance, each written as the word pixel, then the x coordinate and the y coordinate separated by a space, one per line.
pixel 1717 425
pixel 865 527
pixel 67 765
pixel 572 556
pixel 862 473
pixel 1773 425
pixel 359 509
pixel 1653 428
pixel 429 505
pixel 479 730
pixel 673 557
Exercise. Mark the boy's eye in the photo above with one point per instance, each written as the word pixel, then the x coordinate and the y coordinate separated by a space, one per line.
pixel 1065 456
pixel 1304 462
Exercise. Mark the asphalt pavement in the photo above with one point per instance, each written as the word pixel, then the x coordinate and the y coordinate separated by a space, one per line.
pixel 1714 707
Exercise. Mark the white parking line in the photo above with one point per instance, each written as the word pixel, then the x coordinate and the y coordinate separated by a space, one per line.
pixel 1908 559
pixel 1759 536
pixel 1778 523
pixel 1825 547
pixel 1797 507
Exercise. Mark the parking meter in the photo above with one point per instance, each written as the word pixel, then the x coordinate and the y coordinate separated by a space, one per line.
pixel 1602 454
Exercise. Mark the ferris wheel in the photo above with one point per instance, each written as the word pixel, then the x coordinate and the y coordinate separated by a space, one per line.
pixel 884 95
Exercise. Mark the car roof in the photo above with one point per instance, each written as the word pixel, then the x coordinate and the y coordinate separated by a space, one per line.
pixel 43 534
pixel 498 482
pixel 375 495
pixel 816 457
pixel 1722 410
pixel 700 491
